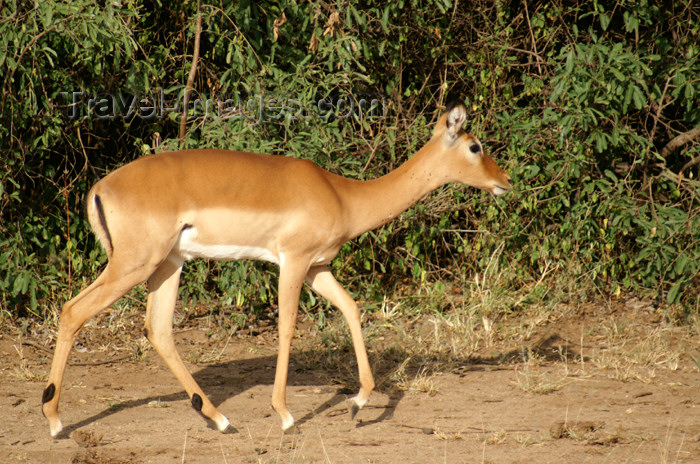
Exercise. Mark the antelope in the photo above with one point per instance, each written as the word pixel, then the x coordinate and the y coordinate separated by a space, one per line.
pixel 157 212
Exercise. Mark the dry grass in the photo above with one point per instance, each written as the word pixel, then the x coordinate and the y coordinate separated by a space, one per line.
pixel 667 454
pixel 575 430
pixel 635 353
pixel 496 437
pixel 422 382
pixel 444 435
pixel 24 371
pixel 203 356
pixel 541 383
pixel 528 440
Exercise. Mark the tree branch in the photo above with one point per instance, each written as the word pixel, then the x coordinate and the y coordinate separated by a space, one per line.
pixel 193 72
pixel 679 140
pixel 690 163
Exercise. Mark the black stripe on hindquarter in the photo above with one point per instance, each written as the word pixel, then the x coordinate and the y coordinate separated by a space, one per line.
pixel 103 223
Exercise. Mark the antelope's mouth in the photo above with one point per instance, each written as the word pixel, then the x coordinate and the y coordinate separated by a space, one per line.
pixel 499 190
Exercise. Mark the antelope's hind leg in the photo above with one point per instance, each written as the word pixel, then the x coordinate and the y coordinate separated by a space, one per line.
pixel 111 285
pixel 162 294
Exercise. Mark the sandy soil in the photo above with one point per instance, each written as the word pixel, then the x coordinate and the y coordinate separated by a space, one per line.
pixel 494 406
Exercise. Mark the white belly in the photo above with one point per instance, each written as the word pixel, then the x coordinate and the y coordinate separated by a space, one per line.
pixel 187 247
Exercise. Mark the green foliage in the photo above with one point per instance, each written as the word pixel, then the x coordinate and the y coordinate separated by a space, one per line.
pixel 632 222
pixel 577 99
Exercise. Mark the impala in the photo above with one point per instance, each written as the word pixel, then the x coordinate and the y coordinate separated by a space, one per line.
pixel 155 213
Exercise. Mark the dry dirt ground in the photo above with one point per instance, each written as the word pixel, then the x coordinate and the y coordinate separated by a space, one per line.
pixel 616 386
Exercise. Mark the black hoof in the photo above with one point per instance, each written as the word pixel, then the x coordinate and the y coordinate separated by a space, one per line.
pixel 229 430
pixel 354 409
pixel 293 430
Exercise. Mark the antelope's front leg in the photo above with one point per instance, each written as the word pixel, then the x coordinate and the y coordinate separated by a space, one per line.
pixel 291 280
pixel 322 281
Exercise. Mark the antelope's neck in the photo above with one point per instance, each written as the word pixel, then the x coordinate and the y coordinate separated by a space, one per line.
pixel 371 204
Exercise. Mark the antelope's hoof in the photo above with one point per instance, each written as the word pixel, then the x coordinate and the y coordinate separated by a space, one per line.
pixel 292 430
pixel 355 405
pixel 288 424
pixel 55 428
pixel 224 425
pixel 354 408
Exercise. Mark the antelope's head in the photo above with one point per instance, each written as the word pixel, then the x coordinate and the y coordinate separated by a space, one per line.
pixel 467 160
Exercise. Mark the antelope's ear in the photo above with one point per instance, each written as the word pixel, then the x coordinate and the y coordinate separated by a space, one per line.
pixel 456 115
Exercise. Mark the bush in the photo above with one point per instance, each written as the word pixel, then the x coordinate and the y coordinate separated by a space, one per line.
pixel 592 106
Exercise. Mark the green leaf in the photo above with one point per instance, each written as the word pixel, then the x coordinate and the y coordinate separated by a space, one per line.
pixel 569 62
pixel 674 293
pixel 47 19
pixel 359 19
pixel 385 18
pixel 638 97
pixel 689 91
pixel 618 75
pixel 558 90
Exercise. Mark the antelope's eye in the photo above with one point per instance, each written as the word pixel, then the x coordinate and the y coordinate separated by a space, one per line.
pixel 475 148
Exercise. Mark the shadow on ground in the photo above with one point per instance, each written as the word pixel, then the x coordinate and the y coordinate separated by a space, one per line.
pixel 226 380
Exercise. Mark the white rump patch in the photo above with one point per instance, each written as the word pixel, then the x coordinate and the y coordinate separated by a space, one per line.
pixel 188 248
